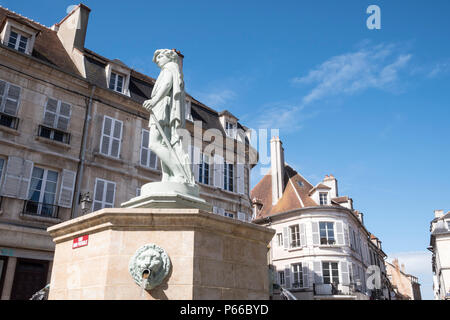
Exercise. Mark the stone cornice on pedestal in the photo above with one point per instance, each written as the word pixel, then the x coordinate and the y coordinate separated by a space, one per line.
pixel 169 219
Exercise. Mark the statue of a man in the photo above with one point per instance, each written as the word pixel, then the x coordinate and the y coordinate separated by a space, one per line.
pixel 167 115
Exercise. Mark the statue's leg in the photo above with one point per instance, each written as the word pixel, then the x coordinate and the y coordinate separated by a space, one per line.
pixel 169 165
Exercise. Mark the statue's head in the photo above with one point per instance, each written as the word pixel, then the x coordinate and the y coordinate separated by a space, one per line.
pixel 163 56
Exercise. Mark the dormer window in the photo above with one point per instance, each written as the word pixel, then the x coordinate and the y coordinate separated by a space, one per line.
pixel 18 35
pixel 230 129
pixel 188 110
pixel 18 41
pixel 116 82
pixel 323 198
pixel 118 77
pixel 229 123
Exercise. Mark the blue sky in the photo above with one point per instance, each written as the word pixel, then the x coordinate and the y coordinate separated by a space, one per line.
pixel 370 107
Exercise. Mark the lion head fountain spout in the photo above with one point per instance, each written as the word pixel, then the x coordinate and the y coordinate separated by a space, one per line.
pixel 149 266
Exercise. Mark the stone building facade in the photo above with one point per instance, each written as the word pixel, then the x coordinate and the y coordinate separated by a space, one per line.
pixel 72 129
pixel 322 249
pixel 404 286
pixel 440 248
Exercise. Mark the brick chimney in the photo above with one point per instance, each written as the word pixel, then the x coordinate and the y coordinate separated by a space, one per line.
pixel 71 31
pixel 181 58
pixel 277 166
pixel 330 181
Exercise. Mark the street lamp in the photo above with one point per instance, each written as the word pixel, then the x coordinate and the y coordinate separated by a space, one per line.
pixel 86 202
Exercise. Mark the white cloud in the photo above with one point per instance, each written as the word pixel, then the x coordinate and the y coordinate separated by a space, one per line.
pixel 368 67
pixel 218 98
pixel 346 74
pixel 439 69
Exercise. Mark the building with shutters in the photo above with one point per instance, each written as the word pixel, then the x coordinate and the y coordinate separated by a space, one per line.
pixel 321 249
pixel 440 249
pixel 72 128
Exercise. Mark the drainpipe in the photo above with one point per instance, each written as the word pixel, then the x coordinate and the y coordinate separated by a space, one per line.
pixel 87 120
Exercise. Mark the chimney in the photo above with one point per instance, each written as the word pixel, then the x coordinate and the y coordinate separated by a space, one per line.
pixel 438 213
pixel 277 165
pixel 180 58
pixel 361 217
pixel 395 263
pixel 330 181
pixel 71 31
pixel 403 268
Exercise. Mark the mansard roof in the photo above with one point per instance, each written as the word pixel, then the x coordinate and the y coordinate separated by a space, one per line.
pixel 49 49
pixel 296 195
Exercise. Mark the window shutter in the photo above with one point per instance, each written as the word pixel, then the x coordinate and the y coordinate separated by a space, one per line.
pixel 285 238
pixel 17 178
pixel 138 192
pixel 218 171
pixel 240 178
pixel 26 178
pixel 340 233
pixel 305 274
pixel 196 162
pixel 50 112
pixel 352 235
pixel 302 234
pixel 110 194
pixel 215 211
pixel 106 132
pixel 345 273
pixel 221 211
pixel 2 93
pixel 317 268
pixel 287 276
pixel 241 216
pixel 67 188
pixel 63 117
pixel 363 279
pixel 315 232
pixel 117 138
pixel 346 238
pixel 12 100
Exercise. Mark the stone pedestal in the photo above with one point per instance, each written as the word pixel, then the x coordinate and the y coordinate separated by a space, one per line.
pixel 168 195
pixel 213 257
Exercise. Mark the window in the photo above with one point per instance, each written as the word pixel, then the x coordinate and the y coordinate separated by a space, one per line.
pixel 148 157
pixel 323 198
pixel 42 193
pixel 448 225
pixel 17 41
pixel 111 137
pixel 295 236
pixel 300 183
pixel 116 82
pixel 326 233
pixel 187 110
pixel 297 275
pixel 230 129
pixel 9 103
pixel 280 239
pixel 104 194
pixel 281 278
pixel 330 272
pixel 203 169
pixel 228 176
pixel 229 215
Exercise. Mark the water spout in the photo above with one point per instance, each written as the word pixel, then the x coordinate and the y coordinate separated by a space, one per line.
pixel 145 275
